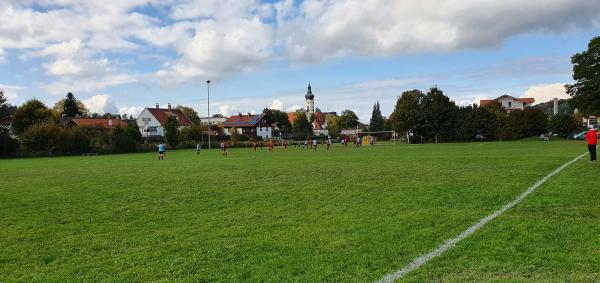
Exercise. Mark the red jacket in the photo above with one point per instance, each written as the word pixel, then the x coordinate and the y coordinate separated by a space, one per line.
pixel 591 137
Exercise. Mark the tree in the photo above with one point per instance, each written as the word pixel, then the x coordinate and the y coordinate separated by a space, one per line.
pixel 190 113
pixel 235 136
pixel 30 113
pixel 302 127
pixel 585 92
pixel 406 115
pixel 332 125
pixel 438 114
pixel 70 106
pixel 58 108
pixel 563 125
pixel 377 121
pixel 279 117
pixel 4 111
pixel 348 120
pixel 171 131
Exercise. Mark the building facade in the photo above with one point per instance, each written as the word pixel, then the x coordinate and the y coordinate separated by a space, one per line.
pixel 151 120
pixel 509 103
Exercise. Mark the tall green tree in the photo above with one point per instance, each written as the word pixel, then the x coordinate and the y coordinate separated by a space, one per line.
pixel 438 113
pixel 302 128
pixel 332 125
pixel 171 128
pixel 377 121
pixel 348 120
pixel 58 108
pixel 30 113
pixel 563 125
pixel 190 113
pixel 279 117
pixel 406 116
pixel 585 92
pixel 70 107
pixel 4 111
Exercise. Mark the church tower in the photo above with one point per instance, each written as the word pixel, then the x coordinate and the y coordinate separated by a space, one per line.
pixel 310 101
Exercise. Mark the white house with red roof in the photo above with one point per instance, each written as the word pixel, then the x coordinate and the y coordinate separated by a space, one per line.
pixel 249 125
pixel 151 120
pixel 510 103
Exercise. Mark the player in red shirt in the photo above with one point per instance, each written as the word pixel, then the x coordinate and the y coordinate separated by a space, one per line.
pixel 270 145
pixel 224 148
pixel 592 140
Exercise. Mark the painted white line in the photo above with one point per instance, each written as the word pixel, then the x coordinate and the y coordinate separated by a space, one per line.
pixel 417 262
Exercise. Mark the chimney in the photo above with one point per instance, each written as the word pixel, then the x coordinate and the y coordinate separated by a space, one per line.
pixel 169 106
pixel 156 105
pixel 555 106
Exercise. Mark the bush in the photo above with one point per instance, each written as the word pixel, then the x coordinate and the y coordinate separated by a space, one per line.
pixel 8 145
pixel 563 125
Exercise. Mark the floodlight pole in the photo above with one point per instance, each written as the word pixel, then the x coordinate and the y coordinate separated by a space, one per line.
pixel 208 108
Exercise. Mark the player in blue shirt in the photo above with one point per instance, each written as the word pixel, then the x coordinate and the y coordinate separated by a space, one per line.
pixel 161 151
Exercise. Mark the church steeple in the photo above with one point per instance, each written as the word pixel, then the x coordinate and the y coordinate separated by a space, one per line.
pixel 309 101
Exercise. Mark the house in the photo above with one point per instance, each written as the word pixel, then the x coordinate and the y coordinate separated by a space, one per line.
pixel 151 120
pixel 96 123
pixel 217 119
pixel 319 125
pixel 249 125
pixel 509 103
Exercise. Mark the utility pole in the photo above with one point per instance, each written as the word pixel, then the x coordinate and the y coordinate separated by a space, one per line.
pixel 208 109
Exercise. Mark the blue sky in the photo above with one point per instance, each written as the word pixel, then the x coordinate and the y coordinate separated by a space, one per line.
pixel 126 56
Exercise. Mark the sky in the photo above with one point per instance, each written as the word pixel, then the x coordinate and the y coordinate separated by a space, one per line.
pixel 131 54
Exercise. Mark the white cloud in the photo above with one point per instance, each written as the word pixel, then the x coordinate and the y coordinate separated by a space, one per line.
pixel 226 109
pixel 101 104
pixel 546 92
pixel 84 85
pixel 293 108
pixel 319 30
pixel 131 110
pixel 217 49
pixel 277 104
pixel 10 92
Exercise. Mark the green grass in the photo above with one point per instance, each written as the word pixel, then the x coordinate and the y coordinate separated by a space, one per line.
pixel 350 214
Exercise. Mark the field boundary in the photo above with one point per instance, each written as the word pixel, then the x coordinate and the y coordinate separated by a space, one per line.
pixel 422 259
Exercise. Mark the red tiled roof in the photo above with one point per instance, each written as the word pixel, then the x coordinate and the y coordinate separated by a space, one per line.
pixel 526 100
pixel 161 114
pixel 485 102
pixel 104 123
pixel 243 120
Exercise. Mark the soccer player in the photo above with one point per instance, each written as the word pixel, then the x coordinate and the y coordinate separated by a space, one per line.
pixel 592 139
pixel 254 145
pixel 270 145
pixel 161 151
pixel 306 143
pixel 285 144
pixel 224 148
pixel 314 144
pixel 328 143
pixel 198 147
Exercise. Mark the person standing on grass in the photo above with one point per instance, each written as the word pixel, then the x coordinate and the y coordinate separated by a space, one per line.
pixel 254 145
pixel 161 151
pixel 198 147
pixel 270 145
pixel 314 143
pixel 224 148
pixel 592 140
pixel 328 143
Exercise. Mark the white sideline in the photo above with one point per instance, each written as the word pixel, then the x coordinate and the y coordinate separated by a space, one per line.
pixel 422 259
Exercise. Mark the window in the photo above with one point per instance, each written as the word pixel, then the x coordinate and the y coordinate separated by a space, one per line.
pixel 152 129
pixel 509 104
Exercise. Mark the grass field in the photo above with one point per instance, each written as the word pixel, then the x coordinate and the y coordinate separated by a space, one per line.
pixel 350 214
